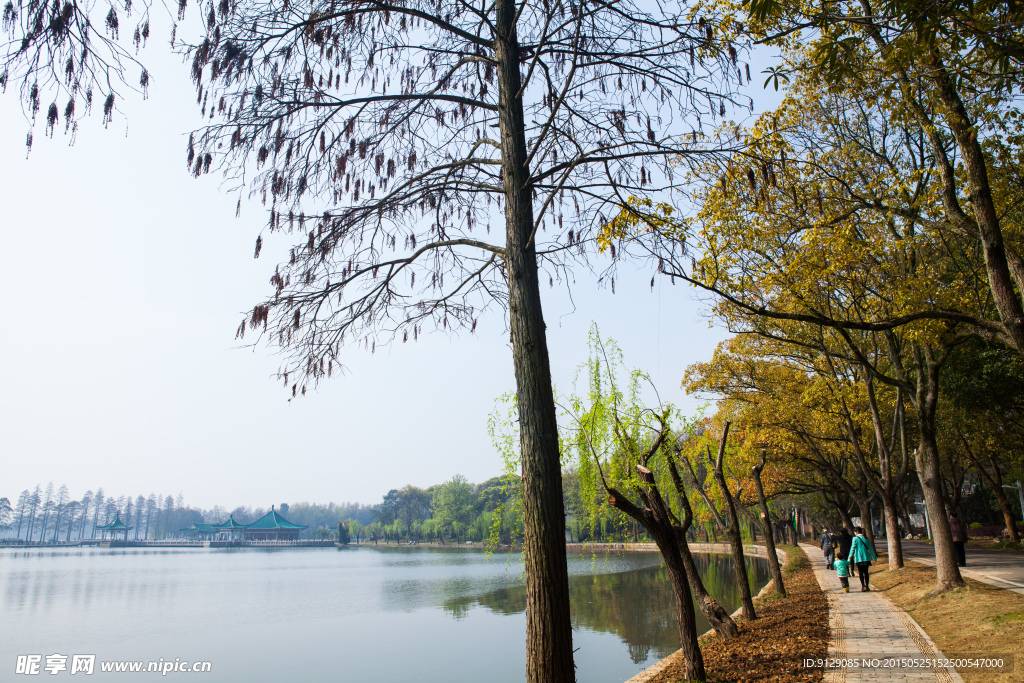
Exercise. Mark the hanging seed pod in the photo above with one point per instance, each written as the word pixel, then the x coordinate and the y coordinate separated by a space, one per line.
pixel 108 109
pixel 69 114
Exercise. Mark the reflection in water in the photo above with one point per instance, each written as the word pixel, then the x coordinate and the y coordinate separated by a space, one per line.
pixel 385 613
pixel 638 606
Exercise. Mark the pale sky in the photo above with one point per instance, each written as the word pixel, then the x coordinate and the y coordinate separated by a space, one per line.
pixel 124 279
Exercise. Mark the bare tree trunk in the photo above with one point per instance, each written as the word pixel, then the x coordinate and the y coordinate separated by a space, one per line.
pixel 548 623
pixel 732 532
pixel 1009 519
pixel 693 660
pixel 863 505
pixel 716 615
pixel 995 481
pixel 904 515
pixel 658 520
pixel 894 543
pixel 884 483
pixel 766 521
pixel 928 471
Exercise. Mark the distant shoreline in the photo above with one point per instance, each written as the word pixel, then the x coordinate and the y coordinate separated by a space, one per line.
pixel 578 548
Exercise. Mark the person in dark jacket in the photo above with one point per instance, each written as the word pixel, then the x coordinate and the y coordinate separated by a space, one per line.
pixel 841 542
pixel 959 529
pixel 826 545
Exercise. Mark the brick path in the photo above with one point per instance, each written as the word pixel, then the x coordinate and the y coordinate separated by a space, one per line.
pixel 869 625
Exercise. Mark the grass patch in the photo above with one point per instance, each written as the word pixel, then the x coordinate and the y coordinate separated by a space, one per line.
pixel 976 620
pixel 771 648
pixel 1013 546
pixel 796 559
pixel 1009 618
pixel 995 544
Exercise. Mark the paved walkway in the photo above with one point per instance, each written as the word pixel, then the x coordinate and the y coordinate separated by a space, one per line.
pixel 869 626
pixel 996 567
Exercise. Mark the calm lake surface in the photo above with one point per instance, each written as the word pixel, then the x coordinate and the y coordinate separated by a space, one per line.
pixel 315 615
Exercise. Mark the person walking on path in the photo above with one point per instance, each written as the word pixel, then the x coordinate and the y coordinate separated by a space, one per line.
pixel 843 572
pixel 826 545
pixel 959 529
pixel 862 554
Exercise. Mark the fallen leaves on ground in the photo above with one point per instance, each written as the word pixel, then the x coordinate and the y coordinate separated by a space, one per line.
pixel 977 620
pixel 772 648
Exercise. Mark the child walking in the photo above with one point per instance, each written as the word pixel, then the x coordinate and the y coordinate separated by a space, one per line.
pixel 843 572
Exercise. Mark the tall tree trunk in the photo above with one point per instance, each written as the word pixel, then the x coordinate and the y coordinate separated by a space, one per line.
pixel 863 504
pixel 904 515
pixel 548 623
pixel 894 542
pixel 1011 312
pixel 1009 519
pixel 986 223
pixel 85 519
pixel 693 660
pixel 928 472
pixel 732 532
pixel 995 480
pixel 658 520
pixel 56 523
pixel 716 615
pixel 765 521
pixel 31 523
pixel 884 483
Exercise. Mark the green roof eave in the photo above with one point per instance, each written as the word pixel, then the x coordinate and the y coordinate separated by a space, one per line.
pixel 230 523
pixel 116 525
pixel 273 520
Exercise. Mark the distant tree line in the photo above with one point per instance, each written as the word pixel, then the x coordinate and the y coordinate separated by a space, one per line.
pixel 460 511
pixel 453 511
pixel 50 515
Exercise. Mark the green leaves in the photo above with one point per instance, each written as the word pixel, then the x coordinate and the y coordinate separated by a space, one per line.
pixel 762 10
pixel 775 74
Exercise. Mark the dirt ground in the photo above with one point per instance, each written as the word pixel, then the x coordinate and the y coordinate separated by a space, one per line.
pixel 978 620
pixel 772 647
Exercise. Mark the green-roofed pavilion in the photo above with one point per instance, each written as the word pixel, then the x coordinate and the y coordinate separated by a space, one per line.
pixel 199 530
pixel 272 527
pixel 230 528
pixel 115 527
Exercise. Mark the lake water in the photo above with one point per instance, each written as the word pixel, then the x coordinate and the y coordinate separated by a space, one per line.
pixel 314 615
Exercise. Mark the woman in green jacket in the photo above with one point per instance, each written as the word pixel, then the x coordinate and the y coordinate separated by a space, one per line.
pixel 862 554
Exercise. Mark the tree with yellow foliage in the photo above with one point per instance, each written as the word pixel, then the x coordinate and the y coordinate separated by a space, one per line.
pixel 952 70
pixel 814 409
pixel 830 233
